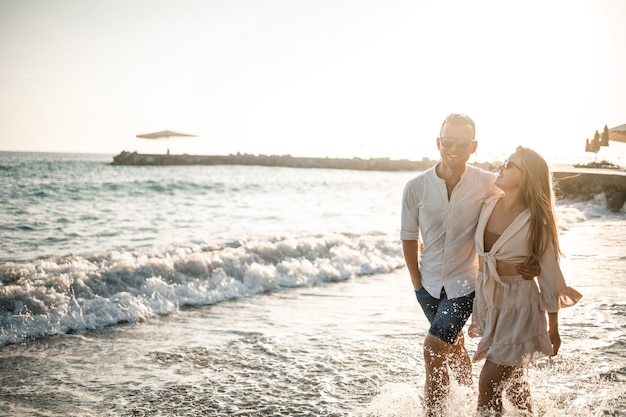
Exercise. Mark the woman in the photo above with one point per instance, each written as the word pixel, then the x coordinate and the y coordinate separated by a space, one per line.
pixel 509 311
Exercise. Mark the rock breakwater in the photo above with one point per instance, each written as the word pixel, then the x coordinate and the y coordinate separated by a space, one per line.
pixel 586 185
pixel 573 182
pixel 375 164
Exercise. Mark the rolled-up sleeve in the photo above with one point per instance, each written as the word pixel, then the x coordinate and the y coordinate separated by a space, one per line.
pixel 409 227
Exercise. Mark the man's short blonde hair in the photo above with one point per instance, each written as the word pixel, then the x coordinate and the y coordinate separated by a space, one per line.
pixel 458 119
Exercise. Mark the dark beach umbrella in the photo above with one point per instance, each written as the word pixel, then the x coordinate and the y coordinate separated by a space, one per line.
pixel 604 139
pixel 166 134
pixel 596 142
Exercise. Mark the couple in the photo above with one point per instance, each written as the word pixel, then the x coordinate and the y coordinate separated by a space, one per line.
pixel 483 243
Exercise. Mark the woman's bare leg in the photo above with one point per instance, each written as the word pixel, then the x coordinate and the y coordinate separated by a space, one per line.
pixel 518 392
pixel 493 379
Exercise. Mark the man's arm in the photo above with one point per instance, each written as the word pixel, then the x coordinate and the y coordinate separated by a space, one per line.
pixel 409 250
pixel 529 271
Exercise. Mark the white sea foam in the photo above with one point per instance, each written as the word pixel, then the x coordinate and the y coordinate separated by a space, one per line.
pixel 572 211
pixel 42 298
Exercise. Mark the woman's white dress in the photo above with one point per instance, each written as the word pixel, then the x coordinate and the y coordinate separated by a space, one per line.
pixel 509 311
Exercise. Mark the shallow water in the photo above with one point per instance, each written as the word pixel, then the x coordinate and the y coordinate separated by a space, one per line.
pixel 351 348
pixel 193 291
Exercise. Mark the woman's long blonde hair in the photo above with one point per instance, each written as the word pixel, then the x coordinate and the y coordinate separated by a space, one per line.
pixel 538 192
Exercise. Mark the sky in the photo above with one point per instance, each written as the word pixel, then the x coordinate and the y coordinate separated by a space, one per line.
pixel 318 78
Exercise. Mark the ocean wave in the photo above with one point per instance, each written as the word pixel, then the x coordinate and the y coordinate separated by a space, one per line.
pixel 572 211
pixel 74 294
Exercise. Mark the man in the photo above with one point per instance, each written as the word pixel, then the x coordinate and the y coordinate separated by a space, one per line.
pixel 441 207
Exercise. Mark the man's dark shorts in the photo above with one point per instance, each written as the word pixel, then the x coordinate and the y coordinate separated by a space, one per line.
pixel 446 316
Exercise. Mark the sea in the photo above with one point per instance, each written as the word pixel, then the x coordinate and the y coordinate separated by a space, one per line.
pixel 255 291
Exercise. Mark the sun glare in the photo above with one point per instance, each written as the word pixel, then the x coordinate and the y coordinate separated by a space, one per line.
pixel 314 79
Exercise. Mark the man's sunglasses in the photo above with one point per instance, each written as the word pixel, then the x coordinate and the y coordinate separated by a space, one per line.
pixel 461 143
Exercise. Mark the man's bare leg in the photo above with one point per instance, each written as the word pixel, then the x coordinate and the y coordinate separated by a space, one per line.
pixel 460 362
pixel 437 383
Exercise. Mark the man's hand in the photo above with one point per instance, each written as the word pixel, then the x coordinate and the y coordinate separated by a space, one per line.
pixel 409 249
pixel 529 271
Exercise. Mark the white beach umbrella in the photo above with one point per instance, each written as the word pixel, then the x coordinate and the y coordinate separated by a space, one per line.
pixel 166 134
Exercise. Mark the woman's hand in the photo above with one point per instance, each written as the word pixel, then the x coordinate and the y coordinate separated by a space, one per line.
pixel 555 338
pixel 553 331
